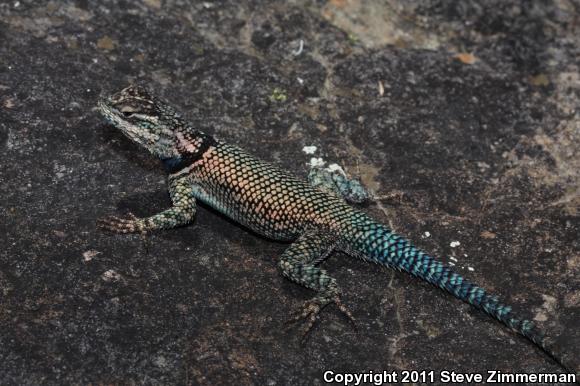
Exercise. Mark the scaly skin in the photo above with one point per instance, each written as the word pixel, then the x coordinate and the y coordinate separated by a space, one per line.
pixel 280 206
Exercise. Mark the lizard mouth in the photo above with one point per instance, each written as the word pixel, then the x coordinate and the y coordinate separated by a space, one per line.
pixel 111 114
pixel 104 104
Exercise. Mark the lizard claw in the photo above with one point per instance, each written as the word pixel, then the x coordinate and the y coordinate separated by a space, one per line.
pixel 310 311
pixel 114 224
pixel 344 309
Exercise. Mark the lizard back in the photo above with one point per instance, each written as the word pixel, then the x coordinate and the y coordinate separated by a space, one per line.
pixel 261 196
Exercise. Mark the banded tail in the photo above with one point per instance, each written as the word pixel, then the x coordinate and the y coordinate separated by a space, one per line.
pixel 379 244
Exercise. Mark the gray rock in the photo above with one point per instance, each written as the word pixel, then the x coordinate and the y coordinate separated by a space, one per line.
pixel 414 98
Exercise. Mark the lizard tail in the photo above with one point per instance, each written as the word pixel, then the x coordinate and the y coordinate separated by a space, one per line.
pixel 380 245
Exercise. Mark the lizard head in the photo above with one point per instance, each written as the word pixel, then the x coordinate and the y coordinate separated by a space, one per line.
pixel 145 119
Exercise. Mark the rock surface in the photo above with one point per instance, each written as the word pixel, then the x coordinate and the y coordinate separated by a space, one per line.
pixel 462 116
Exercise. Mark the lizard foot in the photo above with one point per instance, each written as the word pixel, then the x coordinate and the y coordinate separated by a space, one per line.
pixel 121 225
pixel 310 311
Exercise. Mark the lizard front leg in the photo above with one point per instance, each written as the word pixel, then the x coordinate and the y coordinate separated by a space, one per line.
pixel 182 212
pixel 299 264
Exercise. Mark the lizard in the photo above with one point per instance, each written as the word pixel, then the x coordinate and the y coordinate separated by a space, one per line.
pixel 315 215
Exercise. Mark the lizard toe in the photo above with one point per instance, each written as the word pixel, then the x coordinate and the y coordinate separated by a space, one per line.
pixel 309 314
pixel 344 309
pixel 120 225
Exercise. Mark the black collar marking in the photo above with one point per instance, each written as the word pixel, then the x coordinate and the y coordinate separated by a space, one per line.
pixel 176 164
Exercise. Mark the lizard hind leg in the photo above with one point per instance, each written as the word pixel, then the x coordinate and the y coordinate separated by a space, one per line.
pixel 299 264
pixel 337 183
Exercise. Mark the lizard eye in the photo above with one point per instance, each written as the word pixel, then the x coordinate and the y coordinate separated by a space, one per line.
pixel 127 110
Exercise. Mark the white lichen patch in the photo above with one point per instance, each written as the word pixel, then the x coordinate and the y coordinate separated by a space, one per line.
pixel 317 162
pixel 309 149
pixel 336 168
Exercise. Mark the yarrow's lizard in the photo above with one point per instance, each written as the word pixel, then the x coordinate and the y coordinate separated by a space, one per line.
pixel 314 214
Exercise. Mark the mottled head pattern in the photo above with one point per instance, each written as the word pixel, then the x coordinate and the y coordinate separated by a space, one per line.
pixel 151 123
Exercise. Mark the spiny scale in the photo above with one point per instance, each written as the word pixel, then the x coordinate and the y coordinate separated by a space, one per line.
pixel 276 204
